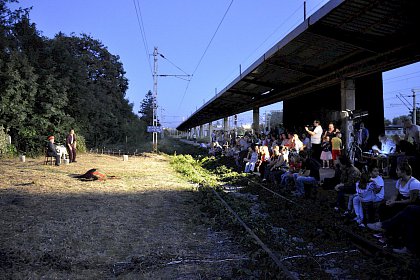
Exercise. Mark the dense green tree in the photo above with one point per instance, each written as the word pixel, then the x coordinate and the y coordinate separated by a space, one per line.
pixel 146 108
pixel 399 120
pixel 50 85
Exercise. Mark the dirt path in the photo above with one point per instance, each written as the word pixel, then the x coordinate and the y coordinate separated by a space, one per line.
pixel 144 225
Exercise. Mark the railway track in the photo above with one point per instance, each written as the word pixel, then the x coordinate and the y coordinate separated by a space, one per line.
pixel 329 227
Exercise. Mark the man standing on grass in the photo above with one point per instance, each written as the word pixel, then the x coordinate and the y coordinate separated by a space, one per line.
pixel 71 145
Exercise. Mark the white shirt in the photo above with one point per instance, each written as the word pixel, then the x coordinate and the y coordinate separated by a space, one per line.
pixel 388 146
pixel 316 138
pixel 412 184
pixel 380 183
pixel 366 194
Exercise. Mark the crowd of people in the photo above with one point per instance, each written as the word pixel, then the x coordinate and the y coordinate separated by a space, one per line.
pixel 293 163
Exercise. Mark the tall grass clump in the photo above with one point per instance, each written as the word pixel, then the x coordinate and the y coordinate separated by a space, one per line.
pixel 192 170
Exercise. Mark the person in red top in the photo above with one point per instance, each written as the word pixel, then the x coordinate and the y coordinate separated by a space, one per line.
pixel 71 145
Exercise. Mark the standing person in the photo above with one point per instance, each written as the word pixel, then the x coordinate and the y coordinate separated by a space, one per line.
pixel 326 155
pixel 52 150
pixel 71 145
pixel 363 137
pixel 412 133
pixel 316 136
pixel 336 145
pixel 331 132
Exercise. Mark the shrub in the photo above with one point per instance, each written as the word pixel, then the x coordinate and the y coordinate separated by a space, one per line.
pixel 6 149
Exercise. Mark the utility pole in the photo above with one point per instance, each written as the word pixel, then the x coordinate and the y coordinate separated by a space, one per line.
pixel 414 107
pixel 155 80
pixel 155 76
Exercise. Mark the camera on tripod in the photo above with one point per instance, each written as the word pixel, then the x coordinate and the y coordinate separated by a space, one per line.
pixel 352 115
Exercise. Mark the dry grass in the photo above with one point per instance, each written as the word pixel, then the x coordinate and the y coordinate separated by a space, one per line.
pixel 54 226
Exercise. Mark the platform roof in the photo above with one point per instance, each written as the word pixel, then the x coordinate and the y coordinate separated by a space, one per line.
pixel 343 39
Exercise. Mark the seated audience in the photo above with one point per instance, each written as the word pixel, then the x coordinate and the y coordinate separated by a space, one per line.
pixel 366 197
pixel 309 174
pixel 349 176
pixel 408 189
pixel 52 150
pixel 296 145
pixel 264 160
pixel 280 167
pixel 404 224
pixel 251 161
pixel 216 149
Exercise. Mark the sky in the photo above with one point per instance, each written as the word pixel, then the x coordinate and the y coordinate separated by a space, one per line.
pixel 207 40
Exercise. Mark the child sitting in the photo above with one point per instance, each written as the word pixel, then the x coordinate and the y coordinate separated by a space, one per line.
pixel 364 193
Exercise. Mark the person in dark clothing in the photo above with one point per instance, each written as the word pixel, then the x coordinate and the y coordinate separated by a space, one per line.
pixel 349 176
pixel 71 145
pixel 405 224
pixel 52 150
pixel 309 174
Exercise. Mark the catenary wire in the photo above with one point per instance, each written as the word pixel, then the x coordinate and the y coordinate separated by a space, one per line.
pixel 143 33
pixel 204 53
pixel 256 49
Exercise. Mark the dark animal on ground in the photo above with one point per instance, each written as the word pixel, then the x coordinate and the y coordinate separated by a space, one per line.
pixel 93 175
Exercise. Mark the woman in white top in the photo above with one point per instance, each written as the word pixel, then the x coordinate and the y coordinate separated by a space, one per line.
pixel 408 192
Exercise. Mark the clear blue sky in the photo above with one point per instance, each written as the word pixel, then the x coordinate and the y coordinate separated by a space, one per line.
pixel 182 30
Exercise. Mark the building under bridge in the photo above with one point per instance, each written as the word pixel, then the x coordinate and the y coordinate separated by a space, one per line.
pixel 330 64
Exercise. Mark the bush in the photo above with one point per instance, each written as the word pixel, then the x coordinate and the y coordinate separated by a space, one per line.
pixel 81 144
pixel 6 149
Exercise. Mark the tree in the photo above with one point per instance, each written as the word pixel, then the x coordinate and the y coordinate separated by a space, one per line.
pixel 48 86
pixel 146 108
pixel 399 120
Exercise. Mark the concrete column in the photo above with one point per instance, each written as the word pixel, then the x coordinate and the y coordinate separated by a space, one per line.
pixel 348 102
pixel 256 119
pixel 210 131
pixel 201 131
pixel 225 124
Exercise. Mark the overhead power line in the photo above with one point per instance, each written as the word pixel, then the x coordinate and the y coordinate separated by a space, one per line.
pixel 173 64
pixel 205 51
pixel 260 45
pixel 143 33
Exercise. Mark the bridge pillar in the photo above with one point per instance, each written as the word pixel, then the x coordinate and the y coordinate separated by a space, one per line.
pixel 256 120
pixel 225 124
pixel 210 132
pixel 326 105
pixel 201 135
pixel 348 102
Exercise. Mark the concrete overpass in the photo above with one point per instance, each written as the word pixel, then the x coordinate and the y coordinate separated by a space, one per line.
pixel 331 62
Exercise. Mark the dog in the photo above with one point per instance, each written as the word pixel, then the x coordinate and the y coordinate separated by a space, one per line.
pixel 62 151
